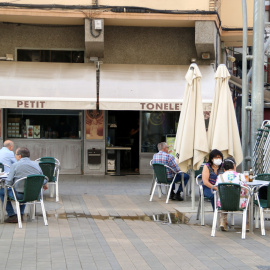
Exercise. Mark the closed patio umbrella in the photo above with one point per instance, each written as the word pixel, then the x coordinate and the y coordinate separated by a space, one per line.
pixel 191 145
pixel 223 133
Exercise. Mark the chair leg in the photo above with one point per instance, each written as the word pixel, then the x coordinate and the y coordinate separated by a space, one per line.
pixel 199 207
pixel 262 221
pixel 153 183
pixel 34 211
pixel 244 224
pixel 44 213
pixel 51 190
pixel 159 191
pixel 257 210
pixel 232 219
pixel 56 191
pixel 214 225
pixel 18 214
pixel 168 195
pixel 202 210
pixel 153 191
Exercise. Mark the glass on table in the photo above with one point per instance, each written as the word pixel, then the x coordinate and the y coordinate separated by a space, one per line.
pixel 246 174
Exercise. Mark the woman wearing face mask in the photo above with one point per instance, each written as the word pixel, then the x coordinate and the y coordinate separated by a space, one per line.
pixel 210 172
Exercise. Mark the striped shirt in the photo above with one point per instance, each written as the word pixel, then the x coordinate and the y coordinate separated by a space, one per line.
pixel 163 158
pixel 20 169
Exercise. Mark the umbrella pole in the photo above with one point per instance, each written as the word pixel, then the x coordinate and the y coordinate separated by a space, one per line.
pixel 192 189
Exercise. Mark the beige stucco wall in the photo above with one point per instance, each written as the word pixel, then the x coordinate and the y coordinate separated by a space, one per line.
pixel 156 4
pixel 25 36
pixel 231 13
pixel 147 45
pixel 123 45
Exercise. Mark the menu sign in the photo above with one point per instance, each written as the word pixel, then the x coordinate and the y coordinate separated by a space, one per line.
pixel 30 132
pixel 36 131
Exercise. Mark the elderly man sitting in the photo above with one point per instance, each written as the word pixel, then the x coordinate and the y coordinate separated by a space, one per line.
pixel 163 157
pixel 7 155
pixel 22 168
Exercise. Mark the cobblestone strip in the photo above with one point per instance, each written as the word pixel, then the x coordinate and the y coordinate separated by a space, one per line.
pixel 94 205
pixel 124 205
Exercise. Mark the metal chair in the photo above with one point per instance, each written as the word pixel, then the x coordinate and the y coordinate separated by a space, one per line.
pixel 261 205
pixel 32 194
pixel 161 179
pixel 201 207
pixel 49 169
pixel 229 194
pixel 2 166
pixel 50 159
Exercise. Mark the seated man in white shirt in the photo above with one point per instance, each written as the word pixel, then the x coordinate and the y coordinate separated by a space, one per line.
pixel 7 155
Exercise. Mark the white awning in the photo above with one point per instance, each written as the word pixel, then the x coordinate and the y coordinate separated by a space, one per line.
pixel 35 85
pixel 149 87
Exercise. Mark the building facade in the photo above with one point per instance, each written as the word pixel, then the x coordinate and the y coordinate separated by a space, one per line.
pixel 97 85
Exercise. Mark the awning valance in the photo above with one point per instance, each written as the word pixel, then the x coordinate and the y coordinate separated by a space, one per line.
pixel 35 85
pixel 149 87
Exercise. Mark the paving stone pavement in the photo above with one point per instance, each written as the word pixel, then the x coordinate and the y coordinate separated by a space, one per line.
pixel 106 222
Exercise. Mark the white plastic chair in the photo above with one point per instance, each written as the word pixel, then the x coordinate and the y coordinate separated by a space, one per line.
pixel 161 179
pixel 53 176
pixel 261 206
pixel 229 194
pixel 32 194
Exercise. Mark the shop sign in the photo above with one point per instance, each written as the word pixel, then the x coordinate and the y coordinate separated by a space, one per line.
pixel 30 104
pixel 161 106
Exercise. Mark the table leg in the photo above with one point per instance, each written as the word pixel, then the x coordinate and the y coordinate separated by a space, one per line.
pixel 183 187
pixel 117 162
pixel 251 215
pixel 192 189
pixel 4 205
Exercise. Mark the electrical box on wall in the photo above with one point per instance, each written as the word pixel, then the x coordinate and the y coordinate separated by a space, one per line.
pixel 98 24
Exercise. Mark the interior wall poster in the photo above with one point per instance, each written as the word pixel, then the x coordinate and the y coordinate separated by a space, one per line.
pixel 94 125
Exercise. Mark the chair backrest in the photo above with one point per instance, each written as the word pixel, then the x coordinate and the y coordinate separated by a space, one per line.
pixel 48 169
pixel 199 180
pixel 229 195
pixel 160 172
pixel 264 195
pixel 32 187
pixel 263 177
pixel 198 172
pixel 2 167
pixel 48 159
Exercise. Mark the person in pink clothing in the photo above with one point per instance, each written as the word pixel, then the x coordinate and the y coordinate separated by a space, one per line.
pixel 231 176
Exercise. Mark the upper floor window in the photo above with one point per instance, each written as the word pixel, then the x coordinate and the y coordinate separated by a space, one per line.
pixel 57 56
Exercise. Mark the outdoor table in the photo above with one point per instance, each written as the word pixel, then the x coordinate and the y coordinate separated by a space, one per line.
pixel 3 176
pixel 253 185
pixel 118 149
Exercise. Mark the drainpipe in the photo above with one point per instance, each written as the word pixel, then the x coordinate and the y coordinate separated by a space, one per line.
pixel 257 97
pixel 245 91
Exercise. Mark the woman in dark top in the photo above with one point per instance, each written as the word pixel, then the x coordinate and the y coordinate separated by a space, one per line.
pixel 211 170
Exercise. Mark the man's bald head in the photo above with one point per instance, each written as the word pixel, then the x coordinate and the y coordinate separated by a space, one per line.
pixel 9 144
